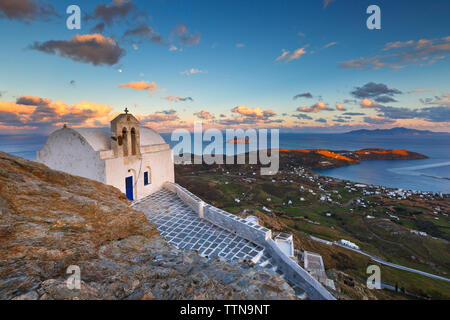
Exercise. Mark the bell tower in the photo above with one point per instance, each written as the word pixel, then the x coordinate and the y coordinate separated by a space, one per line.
pixel 125 139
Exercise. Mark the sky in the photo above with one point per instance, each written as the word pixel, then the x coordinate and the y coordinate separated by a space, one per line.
pixel 300 66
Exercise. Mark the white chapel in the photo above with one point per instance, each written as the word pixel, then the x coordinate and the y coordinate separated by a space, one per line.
pixel 132 158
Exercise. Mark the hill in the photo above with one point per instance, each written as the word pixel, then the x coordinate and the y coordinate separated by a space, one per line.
pixel 397 131
pixel 50 220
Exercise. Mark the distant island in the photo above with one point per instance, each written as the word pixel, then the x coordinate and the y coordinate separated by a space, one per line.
pixel 397 131
pixel 327 159
pixel 317 159
pixel 239 140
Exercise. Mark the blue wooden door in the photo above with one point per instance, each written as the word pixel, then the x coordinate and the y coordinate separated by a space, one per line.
pixel 129 187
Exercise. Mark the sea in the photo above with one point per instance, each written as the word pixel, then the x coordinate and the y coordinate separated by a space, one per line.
pixel 432 174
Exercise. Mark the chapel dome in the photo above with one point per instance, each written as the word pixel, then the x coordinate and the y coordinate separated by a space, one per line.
pixel 100 138
pixel 150 137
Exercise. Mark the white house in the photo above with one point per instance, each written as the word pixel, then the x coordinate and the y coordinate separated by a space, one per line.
pixel 132 158
pixel 348 244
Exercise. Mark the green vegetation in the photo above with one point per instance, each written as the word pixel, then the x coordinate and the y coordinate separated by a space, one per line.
pixel 384 236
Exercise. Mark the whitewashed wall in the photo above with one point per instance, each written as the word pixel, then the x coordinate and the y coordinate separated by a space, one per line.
pixel 161 165
pixel 66 150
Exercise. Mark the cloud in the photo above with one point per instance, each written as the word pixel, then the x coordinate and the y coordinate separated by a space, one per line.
pixel 177 98
pixel 286 56
pixel 321 120
pixel 145 32
pixel 283 56
pixel 340 107
pixel 431 114
pixel 385 99
pixel 422 90
pixel 253 112
pixel 397 44
pixel 162 120
pixel 204 114
pixel 248 115
pixel 401 54
pixel 437 100
pixel 192 71
pixel 303 95
pixel 330 44
pixel 240 45
pixel 185 36
pixel 98 28
pixel 32 112
pixel 141 85
pixel 342 120
pixel 170 111
pixel 88 48
pixel 302 116
pixel 26 10
pixel 378 120
pixel 378 91
pixel 116 10
pixel 354 114
pixel 319 106
pixel 159 117
pixel 367 103
pixel 435 114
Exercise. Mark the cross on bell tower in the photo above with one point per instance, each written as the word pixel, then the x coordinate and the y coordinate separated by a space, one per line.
pixel 126 110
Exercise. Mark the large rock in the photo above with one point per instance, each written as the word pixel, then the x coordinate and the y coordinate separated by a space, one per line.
pixel 50 220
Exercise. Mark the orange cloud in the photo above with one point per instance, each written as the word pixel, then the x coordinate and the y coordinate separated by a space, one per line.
pixel 330 44
pixel 31 112
pixel 177 98
pixel 319 106
pixel 257 112
pixel 13 107
pixel 192 71
pixel 204 114
pixel 367 103
pixel 340 107
pixel 287 56
pixel 141 85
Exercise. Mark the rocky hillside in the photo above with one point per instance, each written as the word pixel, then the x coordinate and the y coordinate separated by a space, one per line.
pixel 50 220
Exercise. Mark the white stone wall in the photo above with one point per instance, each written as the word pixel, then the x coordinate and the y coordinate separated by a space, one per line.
pixel 296 274
pixel 66 150
pixel 243 228
pixel 194 202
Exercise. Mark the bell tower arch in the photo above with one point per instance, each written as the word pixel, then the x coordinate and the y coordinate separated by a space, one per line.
pixel 125 138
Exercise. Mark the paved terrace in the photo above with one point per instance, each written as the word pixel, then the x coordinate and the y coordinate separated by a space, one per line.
pixel 184 229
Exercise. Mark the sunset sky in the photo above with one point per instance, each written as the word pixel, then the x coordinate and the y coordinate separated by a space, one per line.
pixel 301 66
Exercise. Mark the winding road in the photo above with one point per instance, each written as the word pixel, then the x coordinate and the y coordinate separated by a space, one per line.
pixel 389 264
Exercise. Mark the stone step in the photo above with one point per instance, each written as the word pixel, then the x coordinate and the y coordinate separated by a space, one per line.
pixel 258 257
pixel 264 263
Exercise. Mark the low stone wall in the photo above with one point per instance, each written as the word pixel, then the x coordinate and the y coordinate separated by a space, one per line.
pixel 243 228
pixel 296 274
pixel 194 202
